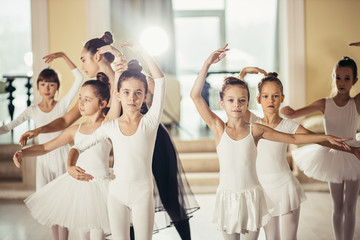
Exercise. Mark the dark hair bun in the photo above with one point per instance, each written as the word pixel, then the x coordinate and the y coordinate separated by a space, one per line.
pixel 272 74
pixel 100 76
pixel 107 38
pixel 346 58
pixel 134 66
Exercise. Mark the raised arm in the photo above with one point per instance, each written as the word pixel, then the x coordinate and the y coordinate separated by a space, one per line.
pixel 261 131
pixel 210 118
pixel 51 57
pixel 64 138
pixel 252 70
pixel 119 66
pixel 317 106
pixel 54 126
pixel 356 44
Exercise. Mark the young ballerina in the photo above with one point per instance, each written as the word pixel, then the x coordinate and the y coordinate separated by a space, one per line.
pixel 53 164
pixel 172 194
pixel 67 201
pixel 272 168
pixel 240 206
pixel 133 134
pixel 340 169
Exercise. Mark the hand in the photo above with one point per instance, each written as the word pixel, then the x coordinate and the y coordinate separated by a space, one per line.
pixel 339 141
pixel 151 84
pixel 79 173
pixel 120 64
pixel 51 57
pixel 357 44
pixel 287 111
pixel 26 136
pixel 133 46
pixel 17 158
pixel 217 55
pixel 254 70
pixel 110 49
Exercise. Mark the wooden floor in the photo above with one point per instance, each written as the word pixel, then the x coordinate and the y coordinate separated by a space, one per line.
pixel 315 221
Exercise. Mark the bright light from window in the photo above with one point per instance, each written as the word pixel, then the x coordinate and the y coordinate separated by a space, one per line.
pixel 154 40
pixel 28 59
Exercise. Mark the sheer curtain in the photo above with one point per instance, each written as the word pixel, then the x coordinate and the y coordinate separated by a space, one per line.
pixel 129 18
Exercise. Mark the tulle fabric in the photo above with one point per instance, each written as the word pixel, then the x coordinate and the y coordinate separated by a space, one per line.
pixel 173 198
pixel 71 203
pixel 284 191
pixel 327 164
pixel 238 212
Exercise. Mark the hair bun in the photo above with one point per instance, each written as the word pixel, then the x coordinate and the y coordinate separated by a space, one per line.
pixel 272 74
pixel 134 66
pixel 100 76
pixel 346 58
pixel 107 38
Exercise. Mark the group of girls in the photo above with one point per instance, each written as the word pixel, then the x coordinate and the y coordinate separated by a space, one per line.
pixel 257 188
pixel 101 206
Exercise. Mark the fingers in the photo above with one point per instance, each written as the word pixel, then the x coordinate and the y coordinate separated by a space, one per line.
pixel 357 44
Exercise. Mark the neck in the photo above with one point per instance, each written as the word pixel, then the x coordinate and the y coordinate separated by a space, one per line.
pixel 271 118
pixel 342 97
pixel 95 118
pixel 47 101
pixel 131 116
pixel 236 122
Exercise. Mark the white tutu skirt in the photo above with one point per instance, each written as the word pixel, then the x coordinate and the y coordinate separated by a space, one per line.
pixel 71 203
pixel 284 191
pixel 327 164
pixel 237 212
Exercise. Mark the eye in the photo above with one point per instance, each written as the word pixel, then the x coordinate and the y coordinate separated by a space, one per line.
pixel 126 92
pixel 276 96
pixel 242 100
pixel 347 79
pixel 138 93
pixel 265 96
pixel 230 100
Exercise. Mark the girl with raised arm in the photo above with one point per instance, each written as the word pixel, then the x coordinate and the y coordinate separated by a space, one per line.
pixel 240 207
pixel 340 169
pixel 67 201
pixel 133 135
pixel 47 110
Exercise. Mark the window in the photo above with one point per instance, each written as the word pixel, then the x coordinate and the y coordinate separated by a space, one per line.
pixel 201 26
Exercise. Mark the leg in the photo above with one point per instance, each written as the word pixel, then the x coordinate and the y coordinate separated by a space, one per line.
pixel 84 234
pixel 143 217
pixel 272 229
pixel 234 236
pixel 250 235
pixel 59 232
pixel 119 218
pixel 337 195
pixel 351 195
pixel 97 234
pixel 289 224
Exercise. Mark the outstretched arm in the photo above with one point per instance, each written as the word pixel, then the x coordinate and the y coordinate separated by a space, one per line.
pixel 51 57
pixel 64 138
pixel 317 106
pixel 210 118
pixel 54 126
pixel 356 44
pixel 261 131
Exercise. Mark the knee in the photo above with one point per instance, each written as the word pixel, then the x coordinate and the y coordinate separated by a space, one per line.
pixel 338 208
pixel 349 210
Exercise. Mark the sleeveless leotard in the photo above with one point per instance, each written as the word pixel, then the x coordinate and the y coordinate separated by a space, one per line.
pixel 240 201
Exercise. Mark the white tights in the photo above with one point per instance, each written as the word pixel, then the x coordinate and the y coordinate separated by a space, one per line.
pixel 59 232
pixel 237 236
pixel 283 227
pixel 344 196
pixel 92 234
pixel 142 213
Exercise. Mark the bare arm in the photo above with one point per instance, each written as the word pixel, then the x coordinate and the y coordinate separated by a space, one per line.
pixel 211 119
pixel 261 131
pixel 64 138
pixel 253 70
pixel 54 126
pixel 49 58
pixel 317 106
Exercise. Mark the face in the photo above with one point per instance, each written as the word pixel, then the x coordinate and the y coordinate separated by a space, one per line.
pixel 344 79
pixel 89 64
pixel 88 102
pixel 47 89
pixel 235 101
pixel 131 95
pixel 270 97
